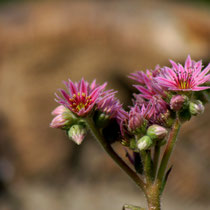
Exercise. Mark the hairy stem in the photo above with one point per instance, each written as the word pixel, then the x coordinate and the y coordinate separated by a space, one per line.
pixel 147 162
pixel 106 146
pixel 153 197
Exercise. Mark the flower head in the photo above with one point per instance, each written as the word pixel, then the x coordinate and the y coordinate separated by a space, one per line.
pixel 184 78
pixel 80 97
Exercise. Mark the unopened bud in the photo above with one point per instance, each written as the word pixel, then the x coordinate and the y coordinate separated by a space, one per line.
pixel 77 133
pixel 196 107
pixel 59 110
pixel 156 132
pixel 136 122
pixel 58 122
pixel 178 102
pixel 63 119
pixel 144 143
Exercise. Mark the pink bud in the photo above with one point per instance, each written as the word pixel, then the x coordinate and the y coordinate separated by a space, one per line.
pixel 77 133
pixel 59 110
pixel 157 132
pixel 58 121
pixel 177 102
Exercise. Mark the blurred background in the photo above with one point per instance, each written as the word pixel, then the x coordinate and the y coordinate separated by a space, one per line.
pixel 43 43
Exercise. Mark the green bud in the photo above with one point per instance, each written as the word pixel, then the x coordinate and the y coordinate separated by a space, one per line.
pixel 196 108
pixel 144 143
pixel 77 133
pixel 156 132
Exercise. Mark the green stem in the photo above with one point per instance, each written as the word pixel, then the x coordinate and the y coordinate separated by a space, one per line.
pixel 156 159
pixel 146 157
pixel 106 146
pixel 168 150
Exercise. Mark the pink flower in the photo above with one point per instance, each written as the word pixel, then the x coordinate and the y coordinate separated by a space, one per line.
pixel 80 98
pixel 184 78
pixel 148 85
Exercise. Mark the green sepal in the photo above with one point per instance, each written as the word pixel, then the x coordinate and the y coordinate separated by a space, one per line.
pixel 133 144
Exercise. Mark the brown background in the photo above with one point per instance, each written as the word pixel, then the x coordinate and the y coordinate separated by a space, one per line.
pixel 45 42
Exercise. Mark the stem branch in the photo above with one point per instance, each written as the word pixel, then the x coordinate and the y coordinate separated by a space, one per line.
pixel 106 146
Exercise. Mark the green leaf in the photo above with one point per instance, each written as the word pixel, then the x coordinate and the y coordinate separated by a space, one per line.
pixel 165 179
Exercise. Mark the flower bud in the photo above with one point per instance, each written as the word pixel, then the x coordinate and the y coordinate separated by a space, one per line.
pixel 156 132
pixel 77 133
pixel 136 121
pixel 144 143
pixel 196 108
pixel 59 110
pixel 59 121
pixel 63 119
pixel 178 102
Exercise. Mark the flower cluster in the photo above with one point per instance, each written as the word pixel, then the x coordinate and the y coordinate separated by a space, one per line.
pixel 163 92
pixel 81 100
pixel 166 97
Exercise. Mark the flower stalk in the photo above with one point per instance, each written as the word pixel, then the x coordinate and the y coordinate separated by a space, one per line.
pixel 168 150
pixel 106 146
